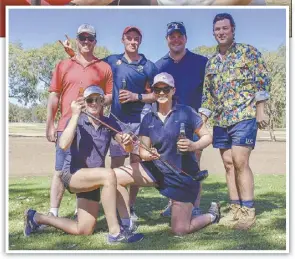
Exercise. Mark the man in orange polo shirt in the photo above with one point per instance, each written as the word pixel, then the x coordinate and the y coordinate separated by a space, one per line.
pixel 69 76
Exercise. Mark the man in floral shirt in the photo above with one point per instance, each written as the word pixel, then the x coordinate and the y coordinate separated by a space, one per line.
pixel 235 90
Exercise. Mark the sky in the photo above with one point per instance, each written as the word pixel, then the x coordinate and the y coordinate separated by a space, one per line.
pixel 262 28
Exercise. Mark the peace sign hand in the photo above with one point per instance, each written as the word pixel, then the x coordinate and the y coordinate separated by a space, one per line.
pixel 67 46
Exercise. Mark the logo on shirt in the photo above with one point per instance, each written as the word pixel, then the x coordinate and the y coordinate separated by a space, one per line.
pixel 140 69
pixel 119 62
pixel 151 126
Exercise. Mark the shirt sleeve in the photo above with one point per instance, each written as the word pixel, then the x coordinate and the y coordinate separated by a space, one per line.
pixel 153 71
pixel 196 120
pixel 261 78
pixel 144 129
pixel 114 125
pixel 108 80
pixel 56 80
pixel 207 99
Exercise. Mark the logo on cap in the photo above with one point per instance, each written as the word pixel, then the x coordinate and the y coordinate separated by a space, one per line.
pixel 86 28
pixel 176 26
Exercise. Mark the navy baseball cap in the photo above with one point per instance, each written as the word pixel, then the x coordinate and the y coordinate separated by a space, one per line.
pixel 176 26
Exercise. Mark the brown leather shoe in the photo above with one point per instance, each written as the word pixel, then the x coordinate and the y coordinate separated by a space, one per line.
pixel 246 219
pixel 231 216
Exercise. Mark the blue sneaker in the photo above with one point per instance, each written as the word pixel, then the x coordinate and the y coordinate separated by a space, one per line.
pixel 125 236
pixel 30 225
pixel 196 212
pixel 132 229
pixel 214 210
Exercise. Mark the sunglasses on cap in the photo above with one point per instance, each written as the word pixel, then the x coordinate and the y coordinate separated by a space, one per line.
pixel 98 100
pixel 165 90
pixel 83 38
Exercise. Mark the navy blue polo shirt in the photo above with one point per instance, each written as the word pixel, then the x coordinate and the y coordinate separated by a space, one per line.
pixel 164 136
pixel 137 75
pixel 90 146
pixel 188 75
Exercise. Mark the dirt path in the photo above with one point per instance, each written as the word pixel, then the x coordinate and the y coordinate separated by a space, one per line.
pixel 36 156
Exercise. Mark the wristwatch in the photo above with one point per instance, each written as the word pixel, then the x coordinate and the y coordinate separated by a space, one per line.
pixel 139 97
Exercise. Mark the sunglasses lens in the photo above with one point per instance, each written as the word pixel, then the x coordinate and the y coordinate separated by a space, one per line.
pixel 89 100
pixel 165 90
pixel 97 100
pixel 83 38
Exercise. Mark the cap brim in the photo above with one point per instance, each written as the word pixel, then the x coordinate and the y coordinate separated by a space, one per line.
pixel 173 30
pixel 162 83
pixel 132 29
pixel 86 94
pixel 90 33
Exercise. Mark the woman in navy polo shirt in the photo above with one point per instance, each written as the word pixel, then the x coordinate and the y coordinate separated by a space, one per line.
pixel 159 132
pixel 84 172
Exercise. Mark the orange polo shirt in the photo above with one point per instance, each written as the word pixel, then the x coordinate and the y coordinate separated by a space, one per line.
pixel 69 76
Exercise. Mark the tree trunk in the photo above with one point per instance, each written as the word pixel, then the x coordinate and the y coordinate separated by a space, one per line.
pixel 271 131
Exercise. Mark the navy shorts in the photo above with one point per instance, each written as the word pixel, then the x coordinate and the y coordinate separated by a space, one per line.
pixel 60 154
pixel 92 195
pixel 175 186
pixel 242 133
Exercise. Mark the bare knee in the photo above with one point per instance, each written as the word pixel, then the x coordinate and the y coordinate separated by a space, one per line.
pixel 228 165
pixel 84 231
pixel 110 177
pixel 179 230
pixel 240 165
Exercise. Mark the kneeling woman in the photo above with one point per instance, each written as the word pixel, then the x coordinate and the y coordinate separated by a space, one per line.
pixel 87 142
pixel 159 131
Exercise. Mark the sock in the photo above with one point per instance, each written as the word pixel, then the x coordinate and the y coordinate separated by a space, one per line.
pixel 114 235
pixel 127 223
pixel 213 217
pixel 35 220
pixel 235 202
pixel 54 211
pixel 248 204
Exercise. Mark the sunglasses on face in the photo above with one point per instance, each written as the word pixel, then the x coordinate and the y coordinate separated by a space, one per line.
pixel 98 100
pixel 83 38
pixel 165 90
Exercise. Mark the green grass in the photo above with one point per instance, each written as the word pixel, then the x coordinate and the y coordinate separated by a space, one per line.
pixel 269 233
pixel 27 128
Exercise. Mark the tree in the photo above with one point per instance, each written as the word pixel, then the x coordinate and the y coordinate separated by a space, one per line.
pixel 276 106
pixel 205 51
pixel 30 70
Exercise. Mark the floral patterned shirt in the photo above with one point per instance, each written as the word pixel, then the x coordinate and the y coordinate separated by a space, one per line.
pixel 233 84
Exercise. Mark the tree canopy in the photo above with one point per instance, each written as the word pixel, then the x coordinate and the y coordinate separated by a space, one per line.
pixel 30 72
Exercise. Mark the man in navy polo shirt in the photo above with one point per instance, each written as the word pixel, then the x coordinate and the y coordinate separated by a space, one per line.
pixel 135 73
pixel 188 70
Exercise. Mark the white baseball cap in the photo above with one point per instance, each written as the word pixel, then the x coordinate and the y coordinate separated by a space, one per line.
pixel 86 28
pixel 93 89
pixel 164 78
